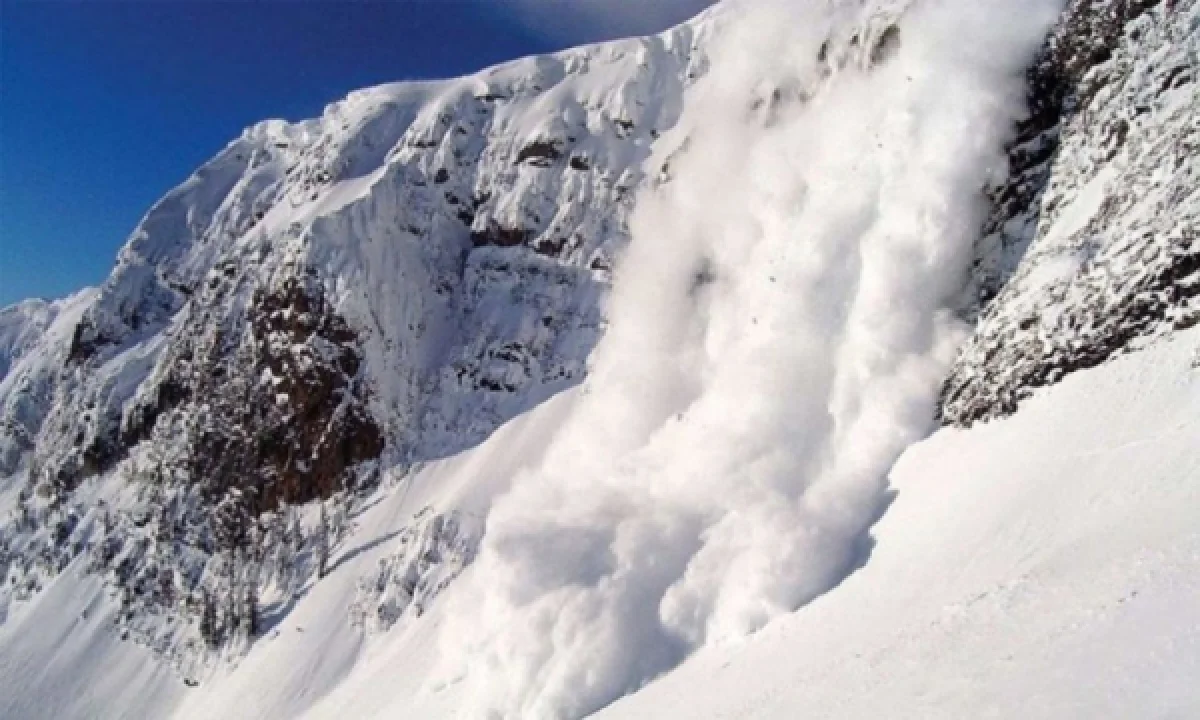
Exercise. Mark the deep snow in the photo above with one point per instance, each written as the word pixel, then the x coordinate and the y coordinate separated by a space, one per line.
pixel 1042 566
pixel 1045 565
pixel 778 334
pixel 777 337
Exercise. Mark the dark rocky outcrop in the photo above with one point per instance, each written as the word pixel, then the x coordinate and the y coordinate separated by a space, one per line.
pixel 498 235
pixel 540 153
pixel 1132 267
pixel 285 419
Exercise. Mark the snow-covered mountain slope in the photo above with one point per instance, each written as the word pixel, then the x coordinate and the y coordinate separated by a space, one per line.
pixel 1043 566
pixel 403 202
pixel 322 301
pixel 1092 246
pixel 313 447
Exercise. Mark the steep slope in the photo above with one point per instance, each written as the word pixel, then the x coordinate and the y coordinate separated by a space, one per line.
pixel 1042 566
pixel 1092 247
pixel 1045 565
pixel 379 286
pixel 33 336
pixel 1039 566
pixel 307 449
pixel 763 369
pixel 401 202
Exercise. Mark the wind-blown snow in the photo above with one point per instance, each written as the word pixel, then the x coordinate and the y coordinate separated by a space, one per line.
pixel 777 338
pixel 801 185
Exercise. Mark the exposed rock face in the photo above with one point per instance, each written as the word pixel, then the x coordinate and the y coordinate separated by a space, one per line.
pixel 391 282
pixel 282 417
pixel 1094 241
pixel 380 286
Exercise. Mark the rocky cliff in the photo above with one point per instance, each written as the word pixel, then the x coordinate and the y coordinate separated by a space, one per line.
pixel 330 300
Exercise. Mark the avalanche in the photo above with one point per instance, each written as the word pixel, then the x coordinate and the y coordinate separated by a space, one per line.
pixel 607 383
pixel 778 335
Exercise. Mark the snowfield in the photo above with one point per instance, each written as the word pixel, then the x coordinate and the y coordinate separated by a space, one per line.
pixel 608 384
pixel 1044 565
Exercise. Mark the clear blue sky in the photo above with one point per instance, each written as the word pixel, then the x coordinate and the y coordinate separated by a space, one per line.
pixel 104 106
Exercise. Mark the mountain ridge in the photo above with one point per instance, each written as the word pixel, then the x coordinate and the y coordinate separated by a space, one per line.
pixel 328 308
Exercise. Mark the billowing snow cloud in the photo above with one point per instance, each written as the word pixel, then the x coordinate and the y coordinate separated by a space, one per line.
pixel 778 335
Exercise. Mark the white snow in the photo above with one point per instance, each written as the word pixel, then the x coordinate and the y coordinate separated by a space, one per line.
pixel 777 336
pixel 1044 565
pixel 60 658
pixel 715 523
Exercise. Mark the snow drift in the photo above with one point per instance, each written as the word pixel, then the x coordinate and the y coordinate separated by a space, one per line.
pixel 778 335
pixel 800 183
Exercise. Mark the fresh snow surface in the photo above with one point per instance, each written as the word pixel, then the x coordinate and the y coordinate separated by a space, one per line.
pixel 1042 566
pixel 1045 565
pixel 695 530
pixel 778 335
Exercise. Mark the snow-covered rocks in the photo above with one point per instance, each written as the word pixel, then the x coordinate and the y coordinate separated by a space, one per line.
pixel 1094 243
pixel 430 553
pixel 219 443
pixel 384 284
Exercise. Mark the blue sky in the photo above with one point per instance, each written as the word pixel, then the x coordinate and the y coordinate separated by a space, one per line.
pixel 104 106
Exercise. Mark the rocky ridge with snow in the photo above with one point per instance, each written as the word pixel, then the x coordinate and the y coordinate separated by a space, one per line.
pixel 327 304
pixel 1092 247
pixel 321 302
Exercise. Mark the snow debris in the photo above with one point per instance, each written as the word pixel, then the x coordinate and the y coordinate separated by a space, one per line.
pixel 731 449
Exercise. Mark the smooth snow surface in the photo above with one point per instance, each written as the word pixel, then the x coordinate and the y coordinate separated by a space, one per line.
pixel 715 523
pixel 60 658
pixel 1042 566
pixel 1045 565
pixel 777 338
